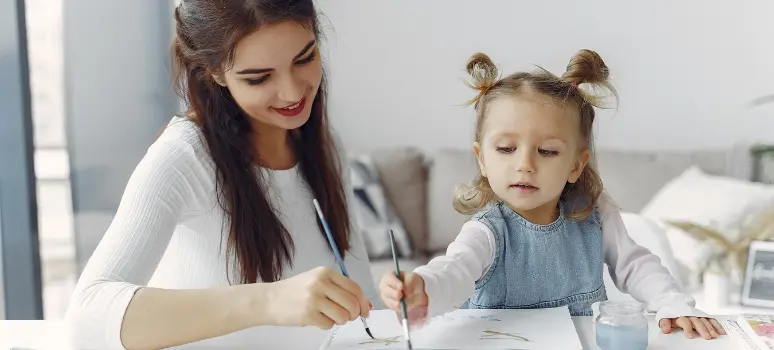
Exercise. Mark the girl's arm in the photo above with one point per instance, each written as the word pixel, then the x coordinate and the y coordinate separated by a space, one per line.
pixel 450 279
pixel 638 272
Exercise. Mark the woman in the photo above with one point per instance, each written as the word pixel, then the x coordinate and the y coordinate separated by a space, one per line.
pixel 216 231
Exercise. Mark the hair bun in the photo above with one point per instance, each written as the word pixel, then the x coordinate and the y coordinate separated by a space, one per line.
pixel 483 73
pixel 586 66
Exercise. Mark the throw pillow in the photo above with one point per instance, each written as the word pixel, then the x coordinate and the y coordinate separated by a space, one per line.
pixel 719 203
pixel 373 215
pixel 449 169
pixel 403 175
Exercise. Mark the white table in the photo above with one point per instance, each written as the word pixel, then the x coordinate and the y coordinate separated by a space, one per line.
pixel 656 339
pixel 52 335
pixel 730 307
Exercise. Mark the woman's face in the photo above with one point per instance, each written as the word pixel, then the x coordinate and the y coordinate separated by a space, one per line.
pixel 275 75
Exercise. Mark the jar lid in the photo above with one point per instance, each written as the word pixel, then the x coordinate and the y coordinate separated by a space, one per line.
pixel 621 307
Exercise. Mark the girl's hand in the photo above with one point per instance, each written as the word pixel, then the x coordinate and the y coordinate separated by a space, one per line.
pixel 708 328
pixel 393 290
pixel 320 297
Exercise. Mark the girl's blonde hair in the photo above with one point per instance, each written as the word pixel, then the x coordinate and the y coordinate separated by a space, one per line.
pixel 586 68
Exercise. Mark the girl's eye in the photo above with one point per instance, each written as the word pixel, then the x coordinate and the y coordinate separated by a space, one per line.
pixel 546 152
pixel 506 150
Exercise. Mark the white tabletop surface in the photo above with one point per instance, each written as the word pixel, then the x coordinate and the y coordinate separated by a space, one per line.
pixel 52 335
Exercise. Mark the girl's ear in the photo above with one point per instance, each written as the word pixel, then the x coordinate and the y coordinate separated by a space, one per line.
pixel 580 164
pixel 479 158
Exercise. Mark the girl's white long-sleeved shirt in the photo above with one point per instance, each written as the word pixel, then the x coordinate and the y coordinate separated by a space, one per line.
pixel 450 278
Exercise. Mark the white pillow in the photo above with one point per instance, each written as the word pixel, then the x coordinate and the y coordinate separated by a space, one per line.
pixel 716 202
pixel 720 203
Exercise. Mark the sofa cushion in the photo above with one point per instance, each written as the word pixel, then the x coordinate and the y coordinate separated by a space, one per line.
pixel 631 178
pixel 722 204
pixel 449 168
pixel 373 214
pixel 717 202
pixel 403 176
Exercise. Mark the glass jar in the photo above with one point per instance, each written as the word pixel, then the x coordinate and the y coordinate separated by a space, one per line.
pixel 621 326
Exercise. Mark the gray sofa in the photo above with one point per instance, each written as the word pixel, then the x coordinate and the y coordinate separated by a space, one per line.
pixel 419 187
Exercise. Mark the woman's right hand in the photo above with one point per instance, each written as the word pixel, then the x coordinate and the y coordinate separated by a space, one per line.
pixel 412 290
pixel 320 297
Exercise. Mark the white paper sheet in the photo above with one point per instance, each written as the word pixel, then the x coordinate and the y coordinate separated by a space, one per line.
pixel 732 329
pixel 464 330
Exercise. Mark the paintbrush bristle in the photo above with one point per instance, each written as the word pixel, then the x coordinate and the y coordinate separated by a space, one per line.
pixel 369 333
pixel 406 332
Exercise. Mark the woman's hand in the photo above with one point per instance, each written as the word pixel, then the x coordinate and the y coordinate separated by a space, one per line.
pixel 320 298
pixel 393 290
pixel 708 328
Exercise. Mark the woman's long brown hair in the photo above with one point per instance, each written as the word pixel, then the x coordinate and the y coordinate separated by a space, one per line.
pixel 207 33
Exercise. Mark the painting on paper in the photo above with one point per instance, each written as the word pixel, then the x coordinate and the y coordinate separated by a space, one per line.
pixel 463 329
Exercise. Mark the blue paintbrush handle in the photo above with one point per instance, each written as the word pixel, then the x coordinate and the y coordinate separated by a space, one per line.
pixel 335 249
pixel 330 239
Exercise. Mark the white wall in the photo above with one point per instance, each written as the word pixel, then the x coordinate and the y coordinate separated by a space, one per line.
pixel 117 98
pixel 684 69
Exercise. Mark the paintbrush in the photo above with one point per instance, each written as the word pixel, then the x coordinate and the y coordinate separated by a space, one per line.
pixel 335 249
pixel 404 313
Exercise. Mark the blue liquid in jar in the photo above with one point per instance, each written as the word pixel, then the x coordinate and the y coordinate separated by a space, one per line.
pixel 622 337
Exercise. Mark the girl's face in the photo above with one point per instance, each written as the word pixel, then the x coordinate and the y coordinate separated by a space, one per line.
pixel 275 75
pixel 529 150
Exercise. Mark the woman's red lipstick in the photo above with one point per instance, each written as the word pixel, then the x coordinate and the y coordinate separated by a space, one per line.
pixel 292 110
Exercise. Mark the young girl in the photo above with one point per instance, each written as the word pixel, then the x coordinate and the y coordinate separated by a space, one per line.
pixel 541 229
